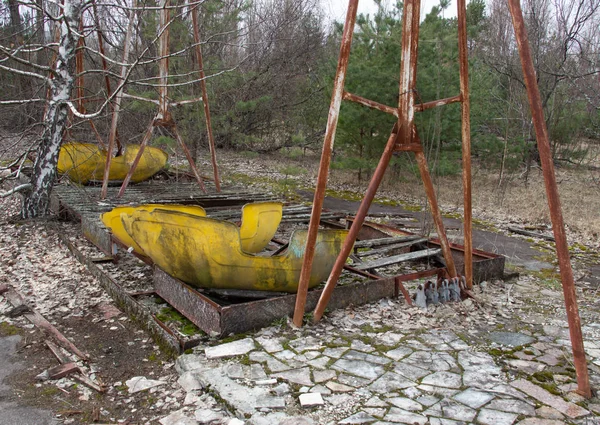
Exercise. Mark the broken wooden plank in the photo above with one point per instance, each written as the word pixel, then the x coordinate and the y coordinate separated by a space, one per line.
pixel 38 320
pixel 370 243
pixel 65 360
pixel 386 261
pixel 532 234
pixel 62 370
pixel 390 248
pixel 304 218
pixel 62 358
pixel 89 383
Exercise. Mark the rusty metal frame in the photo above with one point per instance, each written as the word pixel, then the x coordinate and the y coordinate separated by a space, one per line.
pixel 163 117
pixel 558 226
pixel 118 99
pixel 211 139
pixel 403 137
pixel 199 307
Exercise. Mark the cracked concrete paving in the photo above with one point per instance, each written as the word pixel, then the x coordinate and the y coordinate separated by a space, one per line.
pixel 497 363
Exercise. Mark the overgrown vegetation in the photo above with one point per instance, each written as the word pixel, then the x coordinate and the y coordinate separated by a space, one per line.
pixel 270 66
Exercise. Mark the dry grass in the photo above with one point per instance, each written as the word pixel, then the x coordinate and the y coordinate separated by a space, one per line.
pixel 514 201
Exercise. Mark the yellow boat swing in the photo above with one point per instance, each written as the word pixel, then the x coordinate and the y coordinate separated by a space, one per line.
pixel 84 162
pixel 260 221
pixel 207 253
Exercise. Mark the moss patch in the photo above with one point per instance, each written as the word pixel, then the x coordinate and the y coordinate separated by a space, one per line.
pixel 6 329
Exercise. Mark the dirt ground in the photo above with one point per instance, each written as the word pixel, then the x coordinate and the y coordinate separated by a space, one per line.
pixel 34 261
pixel 44 272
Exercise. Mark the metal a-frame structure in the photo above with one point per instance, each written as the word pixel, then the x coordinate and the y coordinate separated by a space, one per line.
pixel 404 137
pixel 163 117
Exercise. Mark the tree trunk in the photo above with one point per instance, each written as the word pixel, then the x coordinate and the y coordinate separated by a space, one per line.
pixel 37 200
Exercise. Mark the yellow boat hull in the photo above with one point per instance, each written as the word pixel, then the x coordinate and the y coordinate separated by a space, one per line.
pixel 207 253
pixel 260 221
pixel 112 220
pixel 84 162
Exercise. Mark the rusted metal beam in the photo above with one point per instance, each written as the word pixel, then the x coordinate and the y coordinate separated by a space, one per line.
pixel 562 247
pixel 420 107
pixel 134 164
pixel 163 63
pixel 370 103
pixel 361 214
pixel 409 147
pixel 332 121
pixel 402 289
pixel 190 159
pixel 466 140
pixel 117 105
pixel 104 63
pixel 408 70
pixel 211 139
pixel 435 212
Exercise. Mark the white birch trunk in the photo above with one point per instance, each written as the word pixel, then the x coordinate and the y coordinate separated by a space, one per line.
pixel 37 200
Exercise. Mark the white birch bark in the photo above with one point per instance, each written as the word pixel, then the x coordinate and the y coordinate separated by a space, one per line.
pixel 37 200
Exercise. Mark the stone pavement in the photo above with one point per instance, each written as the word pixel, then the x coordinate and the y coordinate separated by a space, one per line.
pixel 504 361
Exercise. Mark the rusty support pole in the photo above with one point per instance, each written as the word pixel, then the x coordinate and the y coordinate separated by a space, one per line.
pixel 80 84
pixel 402 132
pixel 435 211
pixel 406 105
pixel 163 64
pixel 332 121
pixel 211 139
pixel 134 164
pixel 118 99
pixel 104 64
pixel 357 223
pixel 562 247
pixel 420 107
pixel 466 140
pixel 79 68
pixel 188 155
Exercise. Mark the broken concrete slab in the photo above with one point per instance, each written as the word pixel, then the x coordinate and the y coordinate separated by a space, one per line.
pixel 569 409
pixel 389 382
pixel 141 383
pixel 406 404
pixel 230 349
pixel 495 417
pixel 179 417
pixel 189 382
pixel 297 376
pixel 473 398
pixel 311 399
pixel 443 379
pixel 360 368
pixel 404 416
pixel 512 405
pixel 245 400
pixel 358 418
pixel 511 339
